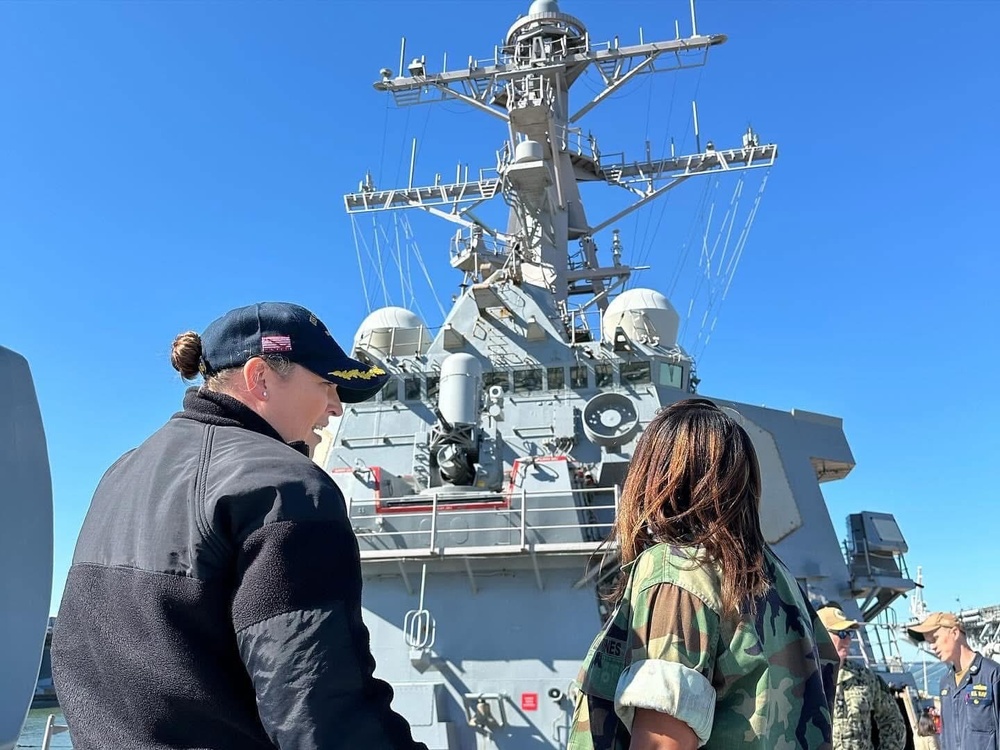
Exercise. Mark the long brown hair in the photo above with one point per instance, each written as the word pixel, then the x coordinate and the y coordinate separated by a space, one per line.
pixel 694 481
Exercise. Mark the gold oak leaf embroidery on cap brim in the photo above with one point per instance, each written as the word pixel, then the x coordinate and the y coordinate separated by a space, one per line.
pixel 356 374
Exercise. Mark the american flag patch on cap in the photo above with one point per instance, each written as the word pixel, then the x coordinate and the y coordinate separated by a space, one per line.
pixel 273 344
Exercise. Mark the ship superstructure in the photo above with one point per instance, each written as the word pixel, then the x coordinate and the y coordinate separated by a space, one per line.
pixel 484 478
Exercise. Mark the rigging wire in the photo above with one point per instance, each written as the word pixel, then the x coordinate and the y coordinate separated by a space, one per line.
pixel 420 138
pixel 409 275
pixel 410 242
pixel 395 255
pixel 745 233
pixel 696 220
pixel 375 269
pixel 377 261
pixel 380 266
pixel 666 198
pixel 713 279
pixel 398 250
pixel 402 143
pixel 361 269
pixel 705 270
pixel 399 262
pixel 385 138
pixel 644 250
pixel 725 275
pixel 649 107
pixel 408 233
pixel 734 207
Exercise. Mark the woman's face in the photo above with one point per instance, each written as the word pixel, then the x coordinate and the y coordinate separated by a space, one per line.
pixel 299 403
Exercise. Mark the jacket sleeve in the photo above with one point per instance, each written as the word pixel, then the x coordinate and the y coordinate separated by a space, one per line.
pixel 996 708
pixel 674 644
pixel 296 612
pixel 886 715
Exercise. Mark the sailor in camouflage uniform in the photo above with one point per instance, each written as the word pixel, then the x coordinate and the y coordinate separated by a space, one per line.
pixel 863 700
pixel 676 659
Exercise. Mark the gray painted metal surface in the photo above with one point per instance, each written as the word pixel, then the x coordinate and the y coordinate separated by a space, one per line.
pixel 25 543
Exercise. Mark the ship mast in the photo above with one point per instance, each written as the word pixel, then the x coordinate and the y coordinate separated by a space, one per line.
pixel 547 155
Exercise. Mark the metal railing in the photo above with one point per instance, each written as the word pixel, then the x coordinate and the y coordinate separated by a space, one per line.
pixel 519 518
pixel 51 729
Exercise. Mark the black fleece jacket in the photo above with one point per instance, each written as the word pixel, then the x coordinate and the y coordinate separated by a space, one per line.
pixel 214 600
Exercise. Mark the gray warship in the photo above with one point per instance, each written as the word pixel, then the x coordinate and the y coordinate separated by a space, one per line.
pixel 483 481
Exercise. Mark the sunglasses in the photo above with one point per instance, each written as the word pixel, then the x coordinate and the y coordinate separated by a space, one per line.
pixel 841 633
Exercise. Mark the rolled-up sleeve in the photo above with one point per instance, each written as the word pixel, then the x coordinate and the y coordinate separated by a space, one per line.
pixel 674 647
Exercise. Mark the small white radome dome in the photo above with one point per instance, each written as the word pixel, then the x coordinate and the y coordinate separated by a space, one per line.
pixel 392 331
pixel 543 6
pixel 644 315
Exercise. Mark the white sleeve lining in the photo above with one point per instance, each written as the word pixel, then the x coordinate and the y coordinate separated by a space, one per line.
pixel 669 688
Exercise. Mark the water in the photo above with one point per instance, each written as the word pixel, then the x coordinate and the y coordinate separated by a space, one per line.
pixel 935 671
pixel 34 730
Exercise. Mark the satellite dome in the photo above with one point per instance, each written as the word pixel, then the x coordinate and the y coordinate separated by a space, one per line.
pixel 543 6
pixel 644 315
pixel 392 331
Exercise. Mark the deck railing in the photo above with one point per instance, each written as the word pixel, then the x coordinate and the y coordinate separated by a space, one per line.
pixel 518 511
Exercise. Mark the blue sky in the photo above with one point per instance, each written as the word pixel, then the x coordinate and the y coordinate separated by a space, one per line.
pixel 162 162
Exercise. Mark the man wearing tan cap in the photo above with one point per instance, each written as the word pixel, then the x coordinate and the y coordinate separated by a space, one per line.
pixel 863 700
pixel 970 712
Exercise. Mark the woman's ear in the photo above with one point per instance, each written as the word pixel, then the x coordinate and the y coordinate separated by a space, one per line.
pixel 255 378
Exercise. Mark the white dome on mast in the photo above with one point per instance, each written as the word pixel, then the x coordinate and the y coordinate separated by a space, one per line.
pixel 645 315
pixel 543 6
pixel 392 331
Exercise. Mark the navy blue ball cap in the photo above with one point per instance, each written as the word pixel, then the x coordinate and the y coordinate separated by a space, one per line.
pixel 294 333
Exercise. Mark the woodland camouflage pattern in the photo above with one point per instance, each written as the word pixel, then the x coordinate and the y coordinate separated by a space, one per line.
pixel 862 698
pixel 773 675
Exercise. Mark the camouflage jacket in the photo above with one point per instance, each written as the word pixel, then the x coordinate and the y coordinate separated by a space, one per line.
pixel 766 682
pixel 862 698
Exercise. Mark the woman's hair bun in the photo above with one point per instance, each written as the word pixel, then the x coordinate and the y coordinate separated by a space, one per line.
pixel 185 355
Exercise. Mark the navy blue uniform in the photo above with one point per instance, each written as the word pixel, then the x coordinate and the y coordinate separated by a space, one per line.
pixel 970 712
pixel 214 601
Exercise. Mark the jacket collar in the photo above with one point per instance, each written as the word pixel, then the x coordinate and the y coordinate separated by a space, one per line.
pixel 972 671
pixel 211 407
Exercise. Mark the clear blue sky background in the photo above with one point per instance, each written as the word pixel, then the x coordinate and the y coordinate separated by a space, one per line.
pixel 162 162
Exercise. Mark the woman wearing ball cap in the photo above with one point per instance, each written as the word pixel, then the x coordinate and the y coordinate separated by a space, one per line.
pixel 214 599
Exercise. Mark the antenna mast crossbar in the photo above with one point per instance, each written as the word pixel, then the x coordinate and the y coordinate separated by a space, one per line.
pixel 710 160
pixel 453 194
pixel 622 174
pixel 538 170
pixel 480 86
pixel 679 169
pixel 642 59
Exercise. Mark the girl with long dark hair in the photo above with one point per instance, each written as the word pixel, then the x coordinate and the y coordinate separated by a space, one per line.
pixel 711 643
